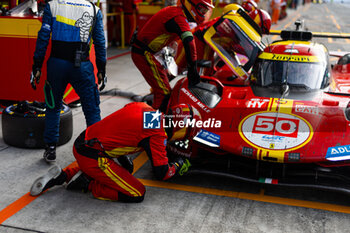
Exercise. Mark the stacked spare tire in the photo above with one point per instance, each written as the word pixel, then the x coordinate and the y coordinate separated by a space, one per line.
pixel 23 125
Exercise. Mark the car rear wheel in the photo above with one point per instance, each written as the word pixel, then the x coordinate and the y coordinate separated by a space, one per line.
pixel 23 125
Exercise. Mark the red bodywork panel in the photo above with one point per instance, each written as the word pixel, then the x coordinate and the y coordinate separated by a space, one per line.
pixel 273 128
pixel 299 130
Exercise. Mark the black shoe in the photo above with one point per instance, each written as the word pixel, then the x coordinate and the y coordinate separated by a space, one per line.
pixel 126 163
pixel 50 153
pixel 79 182
pixel 54 176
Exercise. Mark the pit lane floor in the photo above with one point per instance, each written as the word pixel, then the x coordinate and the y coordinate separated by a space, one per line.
pixel 193 203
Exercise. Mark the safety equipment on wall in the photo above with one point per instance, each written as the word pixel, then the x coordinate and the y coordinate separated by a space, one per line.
pixel 197 9
pixel 263 19
pixel 183 118
pixel 249 5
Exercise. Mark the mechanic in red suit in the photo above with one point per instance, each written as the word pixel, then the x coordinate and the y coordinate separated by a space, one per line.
pixel 121 133
pixel 130 9
pixel 261 17
pixel 164 27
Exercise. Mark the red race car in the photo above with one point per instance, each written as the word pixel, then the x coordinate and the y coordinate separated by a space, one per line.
pixel 283 117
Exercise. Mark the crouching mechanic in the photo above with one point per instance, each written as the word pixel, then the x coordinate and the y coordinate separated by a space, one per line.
pixel 71 24
pixel 121 133
pixel 167 25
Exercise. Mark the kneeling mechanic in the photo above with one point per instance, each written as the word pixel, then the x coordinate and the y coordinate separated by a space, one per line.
pixel 119 134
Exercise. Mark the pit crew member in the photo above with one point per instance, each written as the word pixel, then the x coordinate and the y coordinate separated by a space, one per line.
pixel 71 24
pixel 164 27
pixel 121 133
pixel 261 17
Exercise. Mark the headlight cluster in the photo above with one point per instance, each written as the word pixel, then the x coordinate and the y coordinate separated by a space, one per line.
pixel 347 111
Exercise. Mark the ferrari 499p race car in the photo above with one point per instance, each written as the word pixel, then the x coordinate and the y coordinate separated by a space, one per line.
pixel 282 116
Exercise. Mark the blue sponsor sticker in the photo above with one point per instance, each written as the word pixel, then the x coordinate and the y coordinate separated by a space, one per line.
pixel 338 153
pixel 208 138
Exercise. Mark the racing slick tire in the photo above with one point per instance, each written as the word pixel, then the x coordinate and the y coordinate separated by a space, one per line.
pixel 23 125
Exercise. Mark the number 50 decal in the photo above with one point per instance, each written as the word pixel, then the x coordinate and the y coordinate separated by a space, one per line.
pixel 276 126
pixel 293 131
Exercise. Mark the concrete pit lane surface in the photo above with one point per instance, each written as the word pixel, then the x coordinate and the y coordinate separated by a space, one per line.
pixel 192 203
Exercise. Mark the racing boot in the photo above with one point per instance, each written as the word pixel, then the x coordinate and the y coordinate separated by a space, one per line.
pixel 80 182
pixel 50 153
pixel 54 176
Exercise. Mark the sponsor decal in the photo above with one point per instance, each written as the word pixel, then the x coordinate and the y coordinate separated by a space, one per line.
pixel 272 138
pixel 46 26
pixel 77 4
pixel 195 100
pixel 276 126
pixel 288 57
pixel 257 103
pixel 272 131
pixel 84 23
pixel 338 153
pixel 306 109
pixel 208 138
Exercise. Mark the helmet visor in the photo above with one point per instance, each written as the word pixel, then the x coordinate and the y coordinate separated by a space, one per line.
pixel 202 9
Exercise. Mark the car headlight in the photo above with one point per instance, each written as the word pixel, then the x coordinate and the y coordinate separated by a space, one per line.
pixel 347 111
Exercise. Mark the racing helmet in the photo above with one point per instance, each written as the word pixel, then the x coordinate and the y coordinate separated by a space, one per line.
pixel 186 114
pixel 344 60
pixel 196 9
pixel 231 7
pixel 249 5
pixel 263 19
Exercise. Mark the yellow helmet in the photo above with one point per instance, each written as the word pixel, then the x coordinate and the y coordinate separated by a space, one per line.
pixel 196 9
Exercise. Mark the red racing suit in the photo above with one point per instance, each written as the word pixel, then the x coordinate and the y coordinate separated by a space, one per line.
pixel 120 134
pixel 163 28
pixel 204 52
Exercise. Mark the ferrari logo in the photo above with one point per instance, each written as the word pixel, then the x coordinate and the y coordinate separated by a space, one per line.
pixel 272 145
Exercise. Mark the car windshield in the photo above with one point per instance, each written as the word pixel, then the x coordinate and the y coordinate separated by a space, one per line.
pixel 298 74
pixel 230 39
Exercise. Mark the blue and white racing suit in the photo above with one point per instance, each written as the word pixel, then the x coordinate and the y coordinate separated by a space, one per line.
pixel 69 23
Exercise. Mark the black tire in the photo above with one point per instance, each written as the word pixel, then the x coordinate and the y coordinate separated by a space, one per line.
pixel 23 125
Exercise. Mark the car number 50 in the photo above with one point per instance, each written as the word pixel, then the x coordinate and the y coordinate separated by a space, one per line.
pixel 277 126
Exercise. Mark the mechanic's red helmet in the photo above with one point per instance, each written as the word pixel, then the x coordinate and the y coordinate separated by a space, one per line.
pixel 197 9
pixel 249 5
pixel 263 19
pixel 186 114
